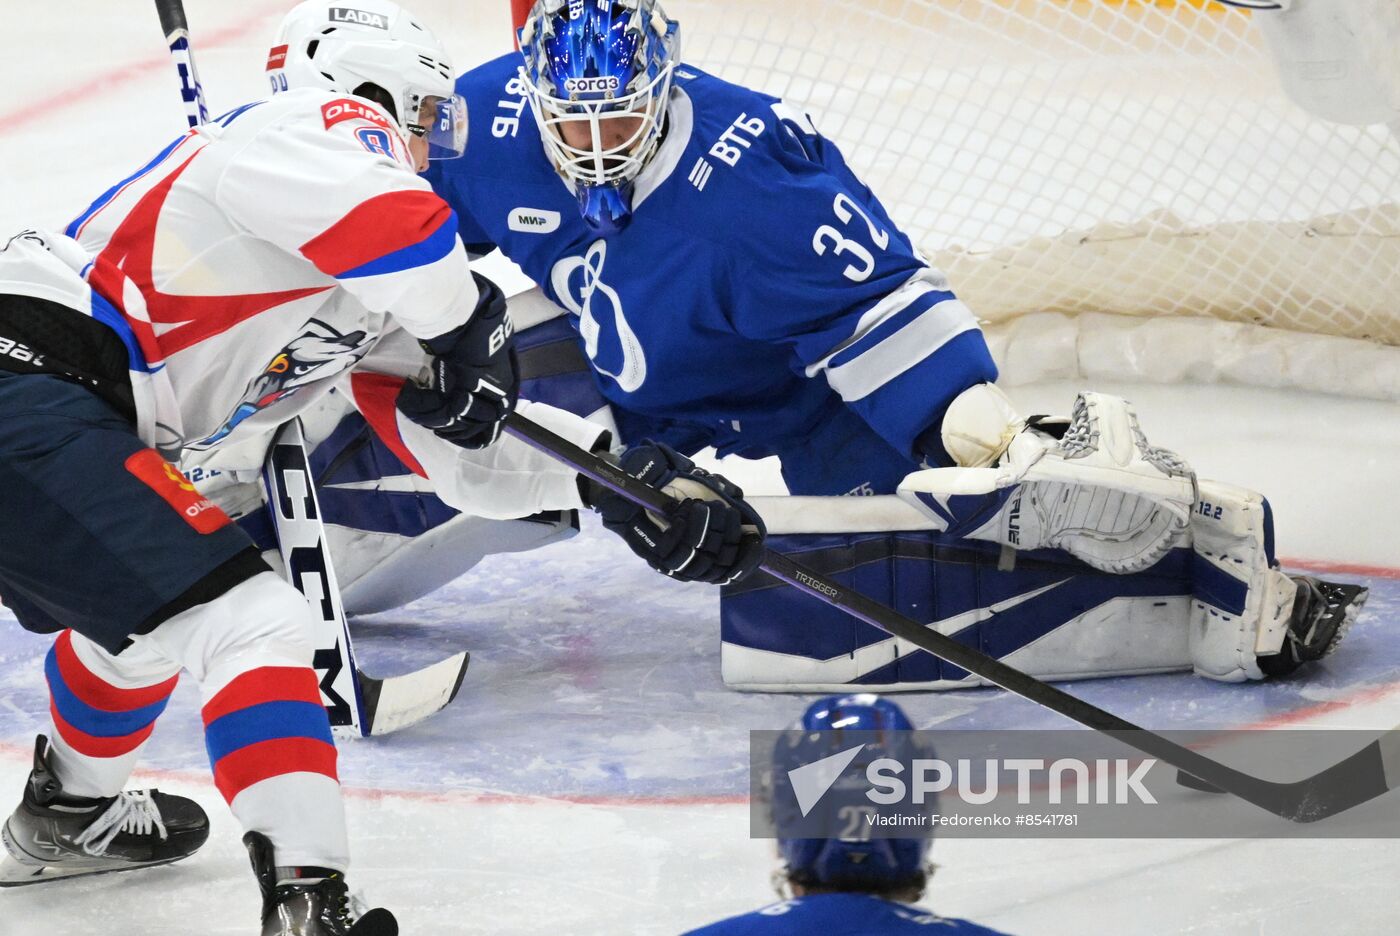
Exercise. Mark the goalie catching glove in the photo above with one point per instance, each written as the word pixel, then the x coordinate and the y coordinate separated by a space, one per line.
pixel 709 535
pixel 473 379
pixel 1091 485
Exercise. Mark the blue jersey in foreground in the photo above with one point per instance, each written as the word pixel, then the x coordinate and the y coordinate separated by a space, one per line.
pixel 760 300
pixel 841 915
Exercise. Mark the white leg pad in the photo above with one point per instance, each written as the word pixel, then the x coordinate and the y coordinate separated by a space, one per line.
pixel 1242 605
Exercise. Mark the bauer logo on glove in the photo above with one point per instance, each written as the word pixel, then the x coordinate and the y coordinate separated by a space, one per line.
pixel 710 534
pixel 474 378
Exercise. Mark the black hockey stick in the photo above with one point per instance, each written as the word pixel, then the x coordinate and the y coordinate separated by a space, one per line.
pixel 177 37
pixel 363 704
pixel 357 704
pixel 1368 773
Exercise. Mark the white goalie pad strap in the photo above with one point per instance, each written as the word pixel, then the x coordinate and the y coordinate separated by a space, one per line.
pixel 1242 606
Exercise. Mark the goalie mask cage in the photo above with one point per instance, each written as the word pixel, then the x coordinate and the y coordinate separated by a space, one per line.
pixel 1120 189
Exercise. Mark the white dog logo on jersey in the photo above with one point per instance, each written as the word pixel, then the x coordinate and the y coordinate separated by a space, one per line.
pixel 590 287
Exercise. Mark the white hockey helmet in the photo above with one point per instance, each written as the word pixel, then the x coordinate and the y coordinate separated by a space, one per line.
pixel 379 51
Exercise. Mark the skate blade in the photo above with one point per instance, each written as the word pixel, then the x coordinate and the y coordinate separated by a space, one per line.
pixel 15 874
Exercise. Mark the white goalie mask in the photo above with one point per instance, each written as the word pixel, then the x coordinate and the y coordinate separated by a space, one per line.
pixel 598 78
pixel 344 48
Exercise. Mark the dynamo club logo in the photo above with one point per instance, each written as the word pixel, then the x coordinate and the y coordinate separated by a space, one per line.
pixel 578 282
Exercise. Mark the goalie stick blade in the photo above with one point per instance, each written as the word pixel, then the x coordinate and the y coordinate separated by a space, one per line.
pixel 1371 772
pixel 400 701
pixel 1192 782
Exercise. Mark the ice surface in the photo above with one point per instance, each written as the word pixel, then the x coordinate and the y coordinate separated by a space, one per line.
pixel 590 778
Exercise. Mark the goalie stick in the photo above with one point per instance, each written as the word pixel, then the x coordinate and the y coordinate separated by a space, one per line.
pixel 358 704
pixel 1368 773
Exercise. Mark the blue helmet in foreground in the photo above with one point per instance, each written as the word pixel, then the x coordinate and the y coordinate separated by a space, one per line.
pixel 598 77
pixel 854 864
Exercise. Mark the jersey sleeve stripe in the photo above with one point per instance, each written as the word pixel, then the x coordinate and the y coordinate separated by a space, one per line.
pixel 386 234
pixel 895 320
pixel 75 229
pixel 433 248
pixel 108 314
pixel 934 322
pixel 376 396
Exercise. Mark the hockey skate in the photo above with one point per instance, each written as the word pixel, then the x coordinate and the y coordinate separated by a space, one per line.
pixel 310 901
pixel 1322 614
pixel 52 835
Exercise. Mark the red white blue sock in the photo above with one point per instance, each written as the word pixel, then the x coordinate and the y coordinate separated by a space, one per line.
pixel 274 761
pixel 103 711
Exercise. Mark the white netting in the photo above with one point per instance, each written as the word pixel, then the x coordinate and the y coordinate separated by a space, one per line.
pixel 1108 156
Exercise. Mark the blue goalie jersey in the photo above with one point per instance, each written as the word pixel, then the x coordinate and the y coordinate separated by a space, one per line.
pixel 760 301
pixel 842 915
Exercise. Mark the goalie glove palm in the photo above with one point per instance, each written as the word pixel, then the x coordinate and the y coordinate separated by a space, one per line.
pixel 710 535
pixel 474 378
pixel 1100 492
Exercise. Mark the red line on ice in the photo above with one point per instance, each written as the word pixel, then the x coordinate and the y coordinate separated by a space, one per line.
pixel 1343 568
pixel 56 102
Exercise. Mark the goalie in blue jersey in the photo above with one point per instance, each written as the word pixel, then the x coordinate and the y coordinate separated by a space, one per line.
pixel 711 272
pixel 732 283
pixel 844 886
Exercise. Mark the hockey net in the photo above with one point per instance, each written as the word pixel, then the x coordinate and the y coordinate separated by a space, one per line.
pixel 1119 188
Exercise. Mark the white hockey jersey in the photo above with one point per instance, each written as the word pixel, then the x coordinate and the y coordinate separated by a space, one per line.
pixel 256 260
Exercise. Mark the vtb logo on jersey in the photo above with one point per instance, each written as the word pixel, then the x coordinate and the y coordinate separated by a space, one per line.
pixel 578 282
pixel 359 17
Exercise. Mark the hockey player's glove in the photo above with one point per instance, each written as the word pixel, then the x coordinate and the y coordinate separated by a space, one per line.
pixel 711 535
pixel 474 377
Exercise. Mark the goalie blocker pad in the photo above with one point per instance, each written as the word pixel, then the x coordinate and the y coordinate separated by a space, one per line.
pixel 1211 604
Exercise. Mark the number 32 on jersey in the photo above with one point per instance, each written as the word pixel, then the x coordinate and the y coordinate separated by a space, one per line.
pixel 829 237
